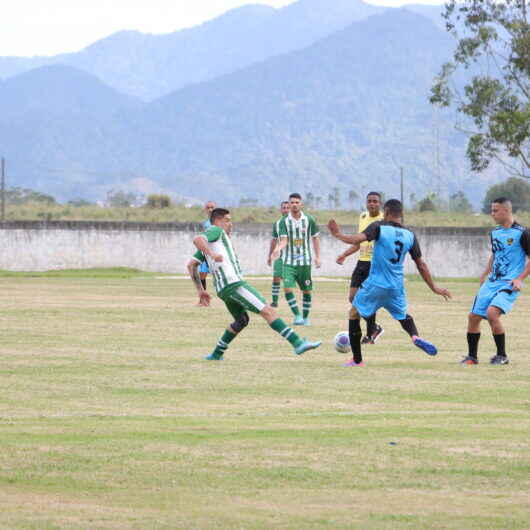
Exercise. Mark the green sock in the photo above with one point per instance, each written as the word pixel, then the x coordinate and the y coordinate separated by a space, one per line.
pixel 275 292
pixel 286 332
pixel 306 306
pixel 291 300
pixel 223 342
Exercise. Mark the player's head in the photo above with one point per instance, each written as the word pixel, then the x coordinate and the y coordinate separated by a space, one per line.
pixel 285 207
pixel 373 203
pixel 295 201
pixel 221 217
pixel 501 210
pixel 393 209
pixel 209 207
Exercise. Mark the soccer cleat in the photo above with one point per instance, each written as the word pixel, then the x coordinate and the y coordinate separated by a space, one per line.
pixel 305 345
pixel 376 334
pixel 214 357
pixel 366 340
pixel 307 322
pixel 274 304
pixel 499 359
pixel 353 363
pixel 426 346
pixel 298 320
pixel 469 360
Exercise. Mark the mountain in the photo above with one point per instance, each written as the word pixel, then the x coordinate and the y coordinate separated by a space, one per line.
pixel 149 66
pixel 345 112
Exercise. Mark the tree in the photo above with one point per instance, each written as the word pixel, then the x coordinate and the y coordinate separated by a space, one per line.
pixel 158 201
pixel 515 189
pixel 458 202
pixel 426 205
pixel 493 43
pixel 120 199
pixel 17 195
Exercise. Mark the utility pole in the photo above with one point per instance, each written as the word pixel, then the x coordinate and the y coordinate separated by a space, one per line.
pixel 3 188
pixel 402 194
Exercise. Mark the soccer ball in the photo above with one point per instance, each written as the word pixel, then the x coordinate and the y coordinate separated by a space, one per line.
pixel 342 342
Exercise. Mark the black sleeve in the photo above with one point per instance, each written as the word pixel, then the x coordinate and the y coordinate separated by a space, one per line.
pixel 372 231
pixel 415 250
pixel 525 241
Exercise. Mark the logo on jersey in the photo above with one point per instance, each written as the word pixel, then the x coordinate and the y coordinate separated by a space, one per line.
pixel 298 242
pixel 510 241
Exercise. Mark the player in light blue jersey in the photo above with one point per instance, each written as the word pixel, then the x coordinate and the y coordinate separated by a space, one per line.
pixel 501 281
pixel 209 207
pixel 384 285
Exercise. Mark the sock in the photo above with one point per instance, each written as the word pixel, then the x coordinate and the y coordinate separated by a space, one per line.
pixel 370 325
pixel 409 326
pixel 472 344
pixel 500 341
pixel 223 342
pixel 275 292
pixel 203 283
pixel 285 331
pixel 355 339
pixel 306 305
pixel 291 300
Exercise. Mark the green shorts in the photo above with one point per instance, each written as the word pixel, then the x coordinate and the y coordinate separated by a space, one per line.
pixel 240 297
pixel 277 271
pixel 297 274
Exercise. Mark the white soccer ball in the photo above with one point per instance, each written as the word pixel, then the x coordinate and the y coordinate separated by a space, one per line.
pixel 342 342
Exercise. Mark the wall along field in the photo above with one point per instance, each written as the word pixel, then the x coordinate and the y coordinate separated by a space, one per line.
pixel 109 417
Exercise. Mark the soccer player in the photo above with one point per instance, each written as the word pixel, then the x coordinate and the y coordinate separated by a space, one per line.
pixel 373 213
pixel 384 285
pixel 501 281
pixel 297 231
pixel 215 247
pixel 203 270
pixel 277 273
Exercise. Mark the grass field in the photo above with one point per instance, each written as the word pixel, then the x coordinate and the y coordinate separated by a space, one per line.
pixel 110 419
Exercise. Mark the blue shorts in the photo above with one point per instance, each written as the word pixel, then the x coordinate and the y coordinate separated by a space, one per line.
pixel 498 294
pixel 204 267
pixel 370 298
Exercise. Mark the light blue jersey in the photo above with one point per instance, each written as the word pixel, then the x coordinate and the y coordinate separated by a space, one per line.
pixel 510 246
pixel 204 265
pixel 392 242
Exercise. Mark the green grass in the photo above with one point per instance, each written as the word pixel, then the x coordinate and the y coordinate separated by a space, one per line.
pixel 109 417
pixel 38 211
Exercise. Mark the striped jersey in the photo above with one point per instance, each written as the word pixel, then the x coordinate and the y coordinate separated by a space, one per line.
pixel 367 247
pixel 298 233
pixel 276 232
pixel 224 273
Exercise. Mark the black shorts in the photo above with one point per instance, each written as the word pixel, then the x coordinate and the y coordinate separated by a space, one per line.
pixel 360 273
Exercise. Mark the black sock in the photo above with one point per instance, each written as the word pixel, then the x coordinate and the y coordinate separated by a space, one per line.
pixel 409 326
pixel 204 284
pixel 355 340
pixel 370 325
pixel 500 341
pixel 472 344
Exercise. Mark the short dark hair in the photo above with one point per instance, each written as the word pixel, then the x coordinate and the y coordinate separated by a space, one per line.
pixel 373 193
pixel 284 202
pixel 295 196
pixel 218 213
pixel 394 207
pixel 501 200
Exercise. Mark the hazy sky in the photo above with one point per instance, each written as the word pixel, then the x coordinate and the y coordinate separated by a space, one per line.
pixel 38 27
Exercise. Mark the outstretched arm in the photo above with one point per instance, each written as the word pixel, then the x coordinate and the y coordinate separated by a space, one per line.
pixel 193 269
pixel 353 239
pixel 348 252
pixel 425 273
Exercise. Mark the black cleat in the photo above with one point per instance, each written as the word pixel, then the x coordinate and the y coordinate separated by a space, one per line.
pixel 499 359
pixel 469 360
pixel 377 333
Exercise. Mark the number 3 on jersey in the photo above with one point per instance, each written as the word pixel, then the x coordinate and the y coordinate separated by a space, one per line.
pixel 399 251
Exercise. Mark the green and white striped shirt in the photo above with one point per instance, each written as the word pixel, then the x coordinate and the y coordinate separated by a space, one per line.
pixel 276 233
pixel 226 272
pixel 298 233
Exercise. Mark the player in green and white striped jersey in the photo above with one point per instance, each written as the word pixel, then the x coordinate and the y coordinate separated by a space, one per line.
pixel 277 271
pixel 215 247
pixel 298 233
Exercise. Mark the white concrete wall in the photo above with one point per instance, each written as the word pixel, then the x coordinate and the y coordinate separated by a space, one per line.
pixel 452 253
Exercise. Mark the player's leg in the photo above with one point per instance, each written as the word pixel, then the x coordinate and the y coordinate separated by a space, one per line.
pixel 501 304
pixel 305 282
pixel 359 275
pixel 277 281
pixel 479 312
pixel 289 284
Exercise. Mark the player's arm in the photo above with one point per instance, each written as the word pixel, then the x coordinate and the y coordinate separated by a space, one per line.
pixel 425 273
pixel 487 270
pixel 348 252
pixel 193 269
pixel 352 239
pixel 525 243
pixel 279 247
pixel 201 242
pixel 316 246
pixel 271 250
